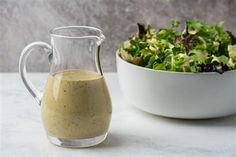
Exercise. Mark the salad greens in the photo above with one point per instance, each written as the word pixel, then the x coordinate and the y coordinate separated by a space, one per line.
pixel 200 47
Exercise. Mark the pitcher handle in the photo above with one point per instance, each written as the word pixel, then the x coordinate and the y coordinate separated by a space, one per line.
pixel 22 67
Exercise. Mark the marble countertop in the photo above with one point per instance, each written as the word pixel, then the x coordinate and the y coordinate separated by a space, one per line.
pixel 132 132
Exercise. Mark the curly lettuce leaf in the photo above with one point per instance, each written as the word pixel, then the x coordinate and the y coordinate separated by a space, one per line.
pixel 200 47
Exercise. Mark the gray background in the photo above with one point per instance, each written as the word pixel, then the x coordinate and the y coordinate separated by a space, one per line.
pixel 25 21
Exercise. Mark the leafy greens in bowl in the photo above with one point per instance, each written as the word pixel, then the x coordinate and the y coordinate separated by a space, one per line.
pixel 200 47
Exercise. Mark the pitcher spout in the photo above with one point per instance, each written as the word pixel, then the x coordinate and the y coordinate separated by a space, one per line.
pixel 100 39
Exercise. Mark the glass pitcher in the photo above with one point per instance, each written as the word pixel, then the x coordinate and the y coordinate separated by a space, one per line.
pixel 75 105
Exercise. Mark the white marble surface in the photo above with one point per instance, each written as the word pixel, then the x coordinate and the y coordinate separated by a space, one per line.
pixel 132 132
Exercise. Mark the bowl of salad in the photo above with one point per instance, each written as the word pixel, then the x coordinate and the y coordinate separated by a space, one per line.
pixel 180 73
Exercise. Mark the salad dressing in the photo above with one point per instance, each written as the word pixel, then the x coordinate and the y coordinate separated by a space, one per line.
pixel 76 104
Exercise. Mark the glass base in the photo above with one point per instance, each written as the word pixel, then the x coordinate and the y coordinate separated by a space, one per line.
pixel 77 143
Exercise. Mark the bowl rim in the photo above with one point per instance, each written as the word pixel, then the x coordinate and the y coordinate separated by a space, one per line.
pixel 169 72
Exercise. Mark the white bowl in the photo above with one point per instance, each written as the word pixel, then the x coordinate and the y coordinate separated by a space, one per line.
pixel 178 94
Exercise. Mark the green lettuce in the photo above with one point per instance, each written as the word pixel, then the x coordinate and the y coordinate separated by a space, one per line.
pixel 200 47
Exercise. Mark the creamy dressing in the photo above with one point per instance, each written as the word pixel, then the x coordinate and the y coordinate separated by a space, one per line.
pixel 76 104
